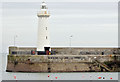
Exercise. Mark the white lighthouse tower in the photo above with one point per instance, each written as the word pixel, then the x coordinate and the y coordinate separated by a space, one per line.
pixel 43 43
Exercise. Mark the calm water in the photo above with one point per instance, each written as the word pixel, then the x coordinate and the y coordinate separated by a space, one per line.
pixel 44 76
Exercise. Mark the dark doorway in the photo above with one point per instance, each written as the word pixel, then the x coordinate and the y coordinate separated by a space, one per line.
pixel 47 48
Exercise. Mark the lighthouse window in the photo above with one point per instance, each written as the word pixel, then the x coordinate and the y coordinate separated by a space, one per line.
pixel 46 28
pixel 43 7
pixel 46 37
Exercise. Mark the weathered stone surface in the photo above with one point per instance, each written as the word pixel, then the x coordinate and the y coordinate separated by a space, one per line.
pixel 66 51
pixel 55 63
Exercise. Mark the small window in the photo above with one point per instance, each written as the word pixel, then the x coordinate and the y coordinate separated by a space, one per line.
pixel 14 52
pixel 44 7
pixel 46 37
pixel 46 28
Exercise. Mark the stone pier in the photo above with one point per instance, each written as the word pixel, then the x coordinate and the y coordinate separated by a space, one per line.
pixel 54 63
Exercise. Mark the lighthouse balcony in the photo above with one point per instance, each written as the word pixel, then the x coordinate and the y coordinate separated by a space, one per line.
pixel 43 14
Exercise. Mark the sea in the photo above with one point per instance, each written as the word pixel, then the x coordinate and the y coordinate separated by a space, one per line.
pixel 52 76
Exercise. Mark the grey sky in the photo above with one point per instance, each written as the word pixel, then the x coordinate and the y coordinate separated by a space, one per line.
pixel 90 23
pixel 60 0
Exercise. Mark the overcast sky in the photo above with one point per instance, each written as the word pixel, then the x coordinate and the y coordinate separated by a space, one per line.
pixel 90 23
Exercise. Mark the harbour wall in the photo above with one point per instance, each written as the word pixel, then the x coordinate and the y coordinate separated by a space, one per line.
pixel 65 51
pixel 54 63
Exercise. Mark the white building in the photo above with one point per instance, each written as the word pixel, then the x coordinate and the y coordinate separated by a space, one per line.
pixel 43 42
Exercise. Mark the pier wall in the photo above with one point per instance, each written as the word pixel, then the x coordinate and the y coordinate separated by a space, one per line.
pixel 54 63
pixel 66 51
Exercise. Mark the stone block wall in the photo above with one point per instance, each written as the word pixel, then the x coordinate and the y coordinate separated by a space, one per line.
pixel 66 51
pixel 54 63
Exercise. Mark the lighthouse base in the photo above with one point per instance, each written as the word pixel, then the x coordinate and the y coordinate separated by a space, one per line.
pixel 45 52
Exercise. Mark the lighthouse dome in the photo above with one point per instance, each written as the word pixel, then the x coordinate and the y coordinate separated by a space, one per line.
pixel 44 4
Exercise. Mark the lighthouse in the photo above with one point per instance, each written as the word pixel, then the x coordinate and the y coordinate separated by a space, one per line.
pixel 43 40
